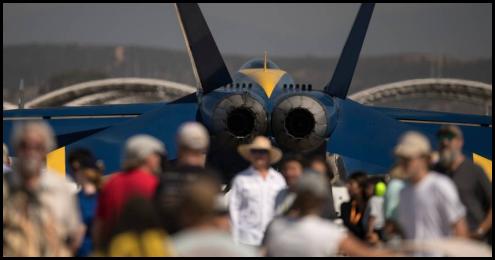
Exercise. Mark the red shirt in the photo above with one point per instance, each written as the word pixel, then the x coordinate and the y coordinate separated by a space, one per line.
pixel 121 187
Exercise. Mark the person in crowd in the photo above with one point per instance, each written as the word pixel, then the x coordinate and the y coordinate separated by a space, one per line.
pixel 138 232
pixel 353 211
pixel 252 197
pixel 320 165
pixel 169 193
pixel 392 194
pixel 192 145
pixel 369 187
pixel 202 236
pixel 429 206
pixel 41 217
pixel 141 165
pixel 88 176
pixel 6 160
pixel 308 234
pixel 475 190
pixel 221 220
pixel 391 230
pixel 292 167
pixel 77 158
pixel 376 219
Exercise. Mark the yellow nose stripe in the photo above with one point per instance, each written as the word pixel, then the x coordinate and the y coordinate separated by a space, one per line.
pixel 267 79
pixel 485 163
pixel 55 161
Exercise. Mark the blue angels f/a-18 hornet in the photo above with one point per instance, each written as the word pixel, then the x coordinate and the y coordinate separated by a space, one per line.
pixel 260 99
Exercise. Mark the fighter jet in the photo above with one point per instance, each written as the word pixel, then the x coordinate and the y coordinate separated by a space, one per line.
pixel 259 99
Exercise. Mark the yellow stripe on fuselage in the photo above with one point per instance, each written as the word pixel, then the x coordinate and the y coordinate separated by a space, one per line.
pixel 266 78
pixel 55 161
pixel 484 163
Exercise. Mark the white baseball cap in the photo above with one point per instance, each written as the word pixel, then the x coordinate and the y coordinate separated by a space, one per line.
pixel 139 147
pixel 193 135
pixel 412 144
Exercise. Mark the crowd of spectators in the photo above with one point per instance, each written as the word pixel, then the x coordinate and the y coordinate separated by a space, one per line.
pixel 281 205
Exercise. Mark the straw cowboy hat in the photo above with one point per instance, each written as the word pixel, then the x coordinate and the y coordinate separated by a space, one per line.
pixel 261 143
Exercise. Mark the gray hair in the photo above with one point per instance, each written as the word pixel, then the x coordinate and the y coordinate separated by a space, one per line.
pixel 313 183
pixel 42 128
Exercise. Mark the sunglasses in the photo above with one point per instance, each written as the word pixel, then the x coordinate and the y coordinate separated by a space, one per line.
pixel 259 151
pixel 403 160
pixel 446 136
pixel 30 146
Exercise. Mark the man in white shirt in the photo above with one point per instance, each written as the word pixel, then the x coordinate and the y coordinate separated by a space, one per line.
pixel 429 206
pixel 252 197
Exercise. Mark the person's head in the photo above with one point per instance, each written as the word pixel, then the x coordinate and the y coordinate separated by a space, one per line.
pixel 143 151
pixel 198 202
pixel 319 164
pixel 260 153
pixel 413 154
pixel 6 159
pixel 356 184
pixel 175 199
pixel 76 157
pixel 311 191
pixel 85 167
pixel 292 167
pixel 192 141
pixel 137 231
pixel 138 216
pixel 451 141
pixel 32 141
pixel 369 190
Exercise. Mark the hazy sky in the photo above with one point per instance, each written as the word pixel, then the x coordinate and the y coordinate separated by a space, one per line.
pixel 458 30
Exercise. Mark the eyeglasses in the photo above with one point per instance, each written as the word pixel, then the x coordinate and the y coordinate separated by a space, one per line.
pixel 259 151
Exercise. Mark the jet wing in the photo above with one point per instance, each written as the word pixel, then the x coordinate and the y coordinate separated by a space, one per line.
pixel 477 130
pixel 73 123
pixel 161 123
pixel 104 129
pixel 368 135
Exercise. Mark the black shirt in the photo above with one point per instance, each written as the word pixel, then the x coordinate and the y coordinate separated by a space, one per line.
pixel 475 191
pixel 356 228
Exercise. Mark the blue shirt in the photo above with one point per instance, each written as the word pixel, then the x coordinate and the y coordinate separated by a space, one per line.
pixel 392 198
pixel 87 208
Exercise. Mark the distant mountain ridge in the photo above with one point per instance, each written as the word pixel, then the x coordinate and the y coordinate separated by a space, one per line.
pixel 45 67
